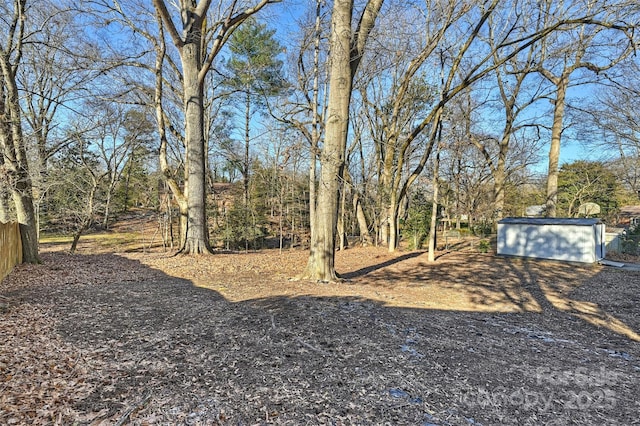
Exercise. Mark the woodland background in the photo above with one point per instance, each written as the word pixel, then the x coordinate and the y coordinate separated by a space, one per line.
pixel 456 113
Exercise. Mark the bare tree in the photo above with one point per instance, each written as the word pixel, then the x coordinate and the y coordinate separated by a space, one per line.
pixel 595 44
pixel 198 42
pixel 613 124
pixel 13 28
pixel 515 96
pixel 347 46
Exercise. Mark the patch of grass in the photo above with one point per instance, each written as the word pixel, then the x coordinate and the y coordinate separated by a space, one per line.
pixel 55 239
pixel 109 241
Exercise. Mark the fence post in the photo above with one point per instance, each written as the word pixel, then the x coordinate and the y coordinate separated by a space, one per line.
pixel 10 247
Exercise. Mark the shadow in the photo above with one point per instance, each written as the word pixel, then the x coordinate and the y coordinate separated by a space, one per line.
pixel 109 339
pixel 372 268
pixel 560 294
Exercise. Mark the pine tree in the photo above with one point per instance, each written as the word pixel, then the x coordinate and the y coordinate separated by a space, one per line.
pixel 256 73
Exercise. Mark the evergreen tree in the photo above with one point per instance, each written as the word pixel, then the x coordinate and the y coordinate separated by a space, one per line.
pixel 256 73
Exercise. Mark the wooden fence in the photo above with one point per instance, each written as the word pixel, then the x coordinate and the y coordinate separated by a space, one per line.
pixel 10 247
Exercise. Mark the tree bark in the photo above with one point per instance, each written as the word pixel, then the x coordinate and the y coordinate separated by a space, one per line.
pixel 363 226
pixel 15 159
pixel 197 236
pixel 345 57
pixel 196 62
pixel 554 150
pixel 5 207
pixel 431 257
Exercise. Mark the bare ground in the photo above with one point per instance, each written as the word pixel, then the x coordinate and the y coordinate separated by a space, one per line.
pixel 148 338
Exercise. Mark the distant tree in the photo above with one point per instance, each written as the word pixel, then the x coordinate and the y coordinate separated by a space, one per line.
pixel 77 194
pixel 305 109
pixel 418 218
pixel 198 41
pixel 255 72
pixel 587 181
pixel 612 125
pixel 139 134
pixel 117 133
pixel 593 45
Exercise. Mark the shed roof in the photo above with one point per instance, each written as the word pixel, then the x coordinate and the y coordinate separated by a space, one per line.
pixel 550 221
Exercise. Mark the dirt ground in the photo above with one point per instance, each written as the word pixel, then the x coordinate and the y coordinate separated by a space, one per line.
pixel 473 339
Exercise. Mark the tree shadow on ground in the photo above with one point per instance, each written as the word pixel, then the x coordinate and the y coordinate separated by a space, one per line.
pixel 156 348
pixel 372 268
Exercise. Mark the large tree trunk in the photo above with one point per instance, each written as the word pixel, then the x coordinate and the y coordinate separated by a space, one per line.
pixel 321 264
pixel 393 212
pixel 554 150
pixel 197 236
pixel 15 160
pixel 28 227
pixel 346 48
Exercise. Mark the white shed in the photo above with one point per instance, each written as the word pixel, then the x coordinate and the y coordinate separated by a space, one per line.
pixel 573 240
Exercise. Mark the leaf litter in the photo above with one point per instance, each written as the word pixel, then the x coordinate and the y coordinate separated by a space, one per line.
pixel 104 339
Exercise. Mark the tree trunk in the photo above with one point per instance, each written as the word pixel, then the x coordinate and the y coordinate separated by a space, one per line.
pixel 393 223
pixel 15 160
pixel 5 207
pixel 554 150
pixel 197 235
pixel 346 47
pixel 363 226
pixel 170 180
pixel 315 131
pixel 342 233
pixel 434 210
pixel 127 182
pixel 107 208
pixel 321 264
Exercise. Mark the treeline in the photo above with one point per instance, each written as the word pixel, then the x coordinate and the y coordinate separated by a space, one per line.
pixel 370 123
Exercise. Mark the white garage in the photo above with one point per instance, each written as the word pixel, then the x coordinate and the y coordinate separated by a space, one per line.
pixel 572 240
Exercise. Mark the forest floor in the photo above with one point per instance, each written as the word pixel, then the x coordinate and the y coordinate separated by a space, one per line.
pixel 114 335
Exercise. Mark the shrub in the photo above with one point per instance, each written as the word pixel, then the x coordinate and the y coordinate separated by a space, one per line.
pixel 484 246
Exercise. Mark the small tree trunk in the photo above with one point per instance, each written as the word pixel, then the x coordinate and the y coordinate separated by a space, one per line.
pixel 315 130
pixel 554 150
pixel 171 182
pixel 434 209
pixel 107 209
pixel 393 225
pixel 363 227
pixel 342 234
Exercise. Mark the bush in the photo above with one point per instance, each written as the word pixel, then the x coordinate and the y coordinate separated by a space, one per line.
pixel 631 245
pixel 484 246
pixel 481 229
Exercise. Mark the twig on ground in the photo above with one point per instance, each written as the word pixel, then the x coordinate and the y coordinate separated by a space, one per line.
pixel 133 408
pixel 313 348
